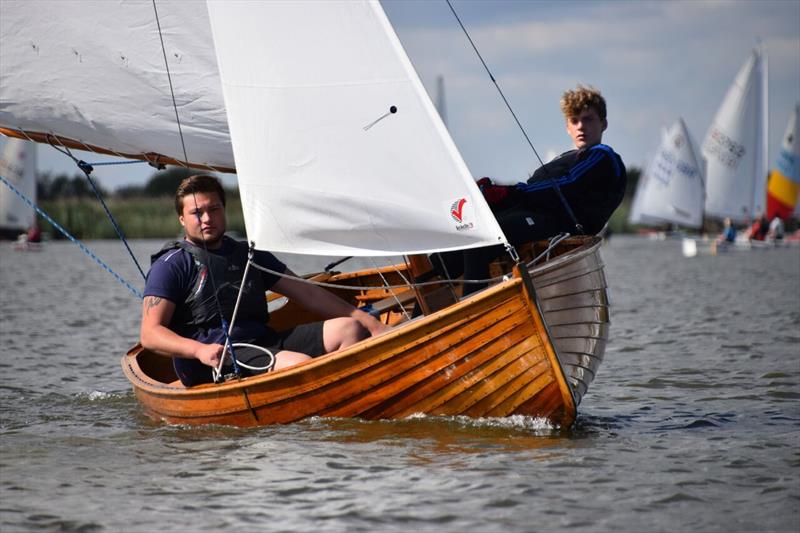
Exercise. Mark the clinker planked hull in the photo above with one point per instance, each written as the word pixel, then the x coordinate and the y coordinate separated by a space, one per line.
pixel 486 356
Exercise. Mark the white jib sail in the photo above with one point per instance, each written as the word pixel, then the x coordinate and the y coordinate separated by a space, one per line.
pixel 94 72
pixel 18 167
pixel 324 165
pixel 735 147
pixel 671 188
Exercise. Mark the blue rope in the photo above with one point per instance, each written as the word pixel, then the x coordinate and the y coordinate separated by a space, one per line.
pixel 87 169
pixel 73 239
pixel 100 164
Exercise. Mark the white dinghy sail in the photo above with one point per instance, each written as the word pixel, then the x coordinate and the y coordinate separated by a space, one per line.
pixel 735 146
pixel 18 166
pixel 671 189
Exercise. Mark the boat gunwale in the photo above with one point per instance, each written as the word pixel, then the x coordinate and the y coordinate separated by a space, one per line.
pixel 133 370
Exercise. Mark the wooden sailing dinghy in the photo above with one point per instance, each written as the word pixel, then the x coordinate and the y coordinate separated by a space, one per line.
pixel 491 354
pixel 338 152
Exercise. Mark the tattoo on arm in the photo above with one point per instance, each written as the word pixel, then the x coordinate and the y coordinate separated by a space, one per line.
pixel 151 302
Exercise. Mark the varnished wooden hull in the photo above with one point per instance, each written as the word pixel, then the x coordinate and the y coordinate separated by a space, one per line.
pixel 488 355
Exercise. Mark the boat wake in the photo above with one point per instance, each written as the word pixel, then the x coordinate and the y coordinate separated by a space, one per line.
pixel 534 423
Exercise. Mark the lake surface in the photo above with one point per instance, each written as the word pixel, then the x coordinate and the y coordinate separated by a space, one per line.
pixel 693 423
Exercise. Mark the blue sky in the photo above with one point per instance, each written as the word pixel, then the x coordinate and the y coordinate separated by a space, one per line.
pixel 653 61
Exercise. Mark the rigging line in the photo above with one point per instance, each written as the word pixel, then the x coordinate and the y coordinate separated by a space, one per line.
pixel 336 263
pixel 561 197
pixel 386 283
pixel 87 169
pixel 70 237
pixel 379 287
pixel 217 374
pixel 169 78
pixel 106 163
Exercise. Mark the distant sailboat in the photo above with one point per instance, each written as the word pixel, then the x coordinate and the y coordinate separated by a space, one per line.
pixel 671 189
pixel 735 146
pixel 18 166
pixel 784 181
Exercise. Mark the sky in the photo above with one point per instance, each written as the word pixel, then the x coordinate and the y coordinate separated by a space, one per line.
pixel 654 61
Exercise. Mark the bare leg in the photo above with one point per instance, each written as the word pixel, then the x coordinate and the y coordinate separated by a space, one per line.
pixel 285 359
pixel 342 332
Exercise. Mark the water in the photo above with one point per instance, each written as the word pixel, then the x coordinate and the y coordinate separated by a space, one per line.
pixel 693 423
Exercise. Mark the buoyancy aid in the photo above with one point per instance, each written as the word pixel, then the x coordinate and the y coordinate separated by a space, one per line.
pixel 200 310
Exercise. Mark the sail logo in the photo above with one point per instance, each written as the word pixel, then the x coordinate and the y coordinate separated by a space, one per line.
pixel 459 212
pixel 726 150
pixel 662 167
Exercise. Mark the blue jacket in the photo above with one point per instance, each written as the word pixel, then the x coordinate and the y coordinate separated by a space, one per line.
pixel 592 181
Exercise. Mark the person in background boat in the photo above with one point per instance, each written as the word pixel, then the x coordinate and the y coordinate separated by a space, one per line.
pixel 34 234
pixel 592 179
pixel 728 232
pixel 183 302
pixel 758 230
pixel 776 229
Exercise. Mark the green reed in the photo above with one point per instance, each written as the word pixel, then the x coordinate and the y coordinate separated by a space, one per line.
pixel 139 218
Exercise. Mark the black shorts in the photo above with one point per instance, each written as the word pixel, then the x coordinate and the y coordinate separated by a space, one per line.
pixel 305 338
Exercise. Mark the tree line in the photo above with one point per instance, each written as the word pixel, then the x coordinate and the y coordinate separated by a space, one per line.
pixel 162 183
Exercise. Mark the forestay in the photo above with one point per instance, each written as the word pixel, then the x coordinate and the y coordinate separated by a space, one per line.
pixel 671 189
pixel 94 73
pixel 324 165
pixel 736 146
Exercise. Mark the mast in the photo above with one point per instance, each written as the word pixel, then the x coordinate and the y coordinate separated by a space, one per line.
pixel 441 107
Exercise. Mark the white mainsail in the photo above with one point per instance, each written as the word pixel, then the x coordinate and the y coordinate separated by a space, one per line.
pixel 18 167
pixel 93 72
pixel 338 148
pixel 735 146
pixel 671 188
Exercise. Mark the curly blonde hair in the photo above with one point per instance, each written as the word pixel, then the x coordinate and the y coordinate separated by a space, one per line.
pixel 573 102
